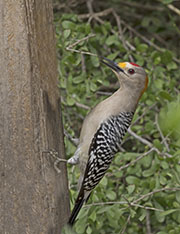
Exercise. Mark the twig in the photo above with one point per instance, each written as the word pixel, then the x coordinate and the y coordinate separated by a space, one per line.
pixel 148 143
pixel 74 141
pixel 144 141
pixel 146 40
pixel 104 93
pixel 123 203
pixel 134 203
pixel 161 134
pixel 137 159
pixel 119 28
pixel 69 48
pixel 97 14
pixel 83 65
pixel 83 106
pixel 110 11
pixel 173 8
pixel 148 223
pixel 125 226
pixel 90 9
pixel 142 6
pixel 89 6
pixel 144 113
pixel 121 37
pixel 69 4
pixel 155 191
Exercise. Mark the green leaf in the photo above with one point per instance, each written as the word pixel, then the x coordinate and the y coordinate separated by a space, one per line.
pixel 157 144
pixel 163 180
pixel 78 79
pixel 132 180
pixel 157 60
pixel 157 213
pixel 142 48
pixel 145 21
pixel 140 59
pixel 88 230
pixel 164 165
pixel 68 25
pixel 161 232
pixel 93 216
pixel 103 209
pixel 131 188
pixel 113 55
pixel 112 40
pixel 166 57
pixel 167 212
pixel 167 1
pixel 172 66
pixel 165 95
pixel 178 196
pixel 95 61
pixel 104 181
pixel 67 33
pixel 93 87
pixel 111 195
pixel 70 101
pixel 88 28
pixel 149 172
pixel 142 217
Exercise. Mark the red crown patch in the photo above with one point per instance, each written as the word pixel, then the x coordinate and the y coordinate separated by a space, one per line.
pixel 135 64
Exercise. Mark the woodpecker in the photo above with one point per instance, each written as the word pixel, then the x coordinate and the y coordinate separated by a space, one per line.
pixel 104 128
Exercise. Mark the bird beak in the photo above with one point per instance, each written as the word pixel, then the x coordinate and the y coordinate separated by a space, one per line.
pixel 114 66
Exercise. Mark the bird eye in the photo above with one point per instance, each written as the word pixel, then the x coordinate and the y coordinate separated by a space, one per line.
pixel 131 71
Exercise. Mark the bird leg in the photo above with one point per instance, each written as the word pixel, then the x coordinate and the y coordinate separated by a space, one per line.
pixel 53 153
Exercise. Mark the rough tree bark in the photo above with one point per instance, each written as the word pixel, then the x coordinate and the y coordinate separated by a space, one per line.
pixel 34 197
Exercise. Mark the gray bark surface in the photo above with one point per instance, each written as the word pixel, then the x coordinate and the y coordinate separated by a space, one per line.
pixel 33 196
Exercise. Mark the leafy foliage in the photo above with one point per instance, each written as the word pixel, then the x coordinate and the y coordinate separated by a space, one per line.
pixel 146 194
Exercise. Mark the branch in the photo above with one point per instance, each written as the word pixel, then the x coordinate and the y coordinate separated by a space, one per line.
pixel 134 203
pixel 148 143
pixel 137 159
pixel 142 6
pixel 123 203
pixel 148 223
pixel 69 48
pixel 111 11
pixel 161 134
pixel 139 138
pixel 98 14
pixel 125 226
pixel 83 106
pixel 173 8
pixel 155 191
pixel 146 40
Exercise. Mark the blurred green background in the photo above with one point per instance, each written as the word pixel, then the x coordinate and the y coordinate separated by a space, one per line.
pixel 145 196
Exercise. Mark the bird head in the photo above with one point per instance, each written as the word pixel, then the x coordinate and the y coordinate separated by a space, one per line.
pixel 129 75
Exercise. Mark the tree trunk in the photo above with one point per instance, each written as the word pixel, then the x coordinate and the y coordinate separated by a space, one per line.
pixel 34 197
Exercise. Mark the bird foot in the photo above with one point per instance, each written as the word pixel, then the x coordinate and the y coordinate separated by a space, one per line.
pixel 53 153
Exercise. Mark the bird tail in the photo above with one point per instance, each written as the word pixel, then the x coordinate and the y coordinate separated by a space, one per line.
pixel 78 204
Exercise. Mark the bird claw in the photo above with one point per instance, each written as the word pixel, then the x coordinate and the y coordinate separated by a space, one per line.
pixel 53 153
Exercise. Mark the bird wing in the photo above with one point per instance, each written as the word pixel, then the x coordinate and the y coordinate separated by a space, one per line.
pixel 105 144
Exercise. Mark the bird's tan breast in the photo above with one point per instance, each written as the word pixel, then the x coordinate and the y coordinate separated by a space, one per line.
pixel 112 106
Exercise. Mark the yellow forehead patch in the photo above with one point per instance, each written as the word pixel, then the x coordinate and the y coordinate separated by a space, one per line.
pixel 122 65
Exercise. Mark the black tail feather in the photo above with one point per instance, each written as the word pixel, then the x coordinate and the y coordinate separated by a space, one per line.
pixel 76 210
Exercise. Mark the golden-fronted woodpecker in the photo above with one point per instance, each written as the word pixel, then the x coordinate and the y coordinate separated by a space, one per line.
pixel 104 128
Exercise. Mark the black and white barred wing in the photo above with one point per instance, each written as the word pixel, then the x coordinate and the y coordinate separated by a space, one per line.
pixel 105 144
